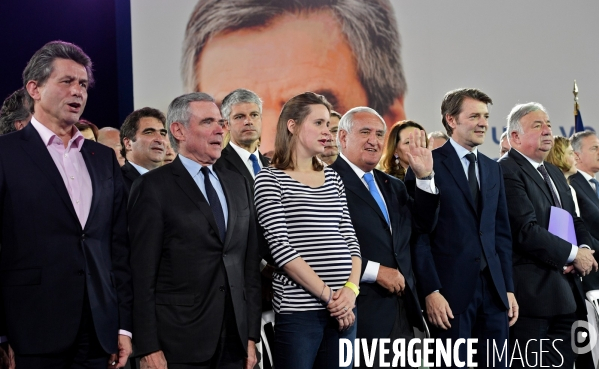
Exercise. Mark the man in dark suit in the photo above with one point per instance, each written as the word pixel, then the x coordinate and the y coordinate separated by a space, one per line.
pixel 64 269
pixel 464 266
pixel 143 143
pixel 388 306
pixel 549 296
pixel 194 256
pixel 586 152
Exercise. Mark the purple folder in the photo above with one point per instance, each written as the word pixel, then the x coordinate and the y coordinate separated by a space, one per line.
pixel 561 224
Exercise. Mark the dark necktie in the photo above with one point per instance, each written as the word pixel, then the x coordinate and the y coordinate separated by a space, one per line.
pixel 214 202
pixel 475 192
pixel 375 193
pixel 472 182
pixel 255 164
pixel 596 182
pixel 547 179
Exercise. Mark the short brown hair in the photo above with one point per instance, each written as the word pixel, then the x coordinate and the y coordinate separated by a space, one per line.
pixel 452 103
pixel 557 154
pixel 296 109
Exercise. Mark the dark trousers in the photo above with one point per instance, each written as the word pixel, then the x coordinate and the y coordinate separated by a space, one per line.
pixel 486 319
pixel 229 354
pixel 402 329
pixel 555 333
pixel 309 339
pixel 86 351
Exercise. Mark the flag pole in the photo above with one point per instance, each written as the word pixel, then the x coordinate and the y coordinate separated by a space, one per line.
pixel 575 92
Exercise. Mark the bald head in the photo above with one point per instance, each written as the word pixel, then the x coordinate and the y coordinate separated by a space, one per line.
pixel 110 137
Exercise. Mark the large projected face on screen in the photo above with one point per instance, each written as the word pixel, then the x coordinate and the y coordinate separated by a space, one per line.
pixel 346 50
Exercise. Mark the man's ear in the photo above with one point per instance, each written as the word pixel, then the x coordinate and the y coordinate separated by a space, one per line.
pixel 514 139
pixel 32 88
pixel 395 113
pixel 451 121
pixel 342 134
pixel 127 143
pixel 178 131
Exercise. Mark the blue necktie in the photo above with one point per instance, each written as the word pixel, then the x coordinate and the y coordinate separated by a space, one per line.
pixel 217 209
pixel 596 182
pixel 375 193
pixel 255 164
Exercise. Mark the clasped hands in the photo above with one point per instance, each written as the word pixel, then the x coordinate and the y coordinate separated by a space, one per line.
pixel 341 307
pixel 584 262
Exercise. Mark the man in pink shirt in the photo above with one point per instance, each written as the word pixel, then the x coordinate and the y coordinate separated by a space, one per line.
pixel 65 282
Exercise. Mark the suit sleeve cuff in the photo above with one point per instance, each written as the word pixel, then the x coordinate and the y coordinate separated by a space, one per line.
pixel 371 272
pixel 573 254
pixel 125 333
pixel 427 185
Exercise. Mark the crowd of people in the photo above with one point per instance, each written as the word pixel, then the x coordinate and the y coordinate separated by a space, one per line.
pixel 169 237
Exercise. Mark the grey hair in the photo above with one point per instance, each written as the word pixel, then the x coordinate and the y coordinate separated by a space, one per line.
pixel 370 28
pixel 346 123
pixel 438 134
pixel 241 95
pixel 517 113
pixel 41 64
pixel 178 111
pixel 503 135
pixel 576 139
pixel 16 107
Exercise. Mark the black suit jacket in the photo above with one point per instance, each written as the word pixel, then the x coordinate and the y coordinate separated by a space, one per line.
pixel 48 262
pixel 377 309
pixel 588 204
pixel 541 287
pixel 181 268
pixel 130 174
pixel 449 258
pixel 229 159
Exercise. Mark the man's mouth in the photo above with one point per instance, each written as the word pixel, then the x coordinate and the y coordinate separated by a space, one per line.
pixel 370 149
pixel 74 106
pixel 323 142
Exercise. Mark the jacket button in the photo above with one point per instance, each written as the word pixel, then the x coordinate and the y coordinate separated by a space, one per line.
pixel 83 237
pixel 221 288
pixel 480 233
pixel 80 272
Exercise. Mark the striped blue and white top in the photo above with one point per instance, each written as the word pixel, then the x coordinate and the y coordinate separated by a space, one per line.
pixel 308 222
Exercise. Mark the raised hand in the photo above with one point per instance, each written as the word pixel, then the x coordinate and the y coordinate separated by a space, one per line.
pixel 420 156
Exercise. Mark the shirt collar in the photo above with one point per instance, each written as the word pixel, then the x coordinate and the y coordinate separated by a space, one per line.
pixel 586 176
pixel 534 164
pixel 359 172
pixel 461 150
pixel 243 153
pixel 139 168
pixel 193 167
pixel 48 137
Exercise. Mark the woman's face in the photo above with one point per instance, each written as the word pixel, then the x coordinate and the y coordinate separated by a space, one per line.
pixel 570 159
pixel 402 148
pixel 314 131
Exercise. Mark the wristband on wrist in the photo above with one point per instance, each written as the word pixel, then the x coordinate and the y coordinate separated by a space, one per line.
pixel 352 287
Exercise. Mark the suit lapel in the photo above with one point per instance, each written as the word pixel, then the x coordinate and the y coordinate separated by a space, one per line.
pixel 532 173
pixel 232 157
pixel 130 171
pixel 585 186
pixel 88 158
pixel 265 161
pixel 354 184
pixel 390 200
pixel 485 179
pixel 454 166
pixel 190 188
pixel 227 183
pixel 35 148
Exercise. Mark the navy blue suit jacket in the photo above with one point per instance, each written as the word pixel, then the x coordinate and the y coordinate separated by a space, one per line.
pixel 49 263
pixel 449 258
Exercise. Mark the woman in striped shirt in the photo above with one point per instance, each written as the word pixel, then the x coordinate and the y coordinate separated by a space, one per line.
pixel 302 207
